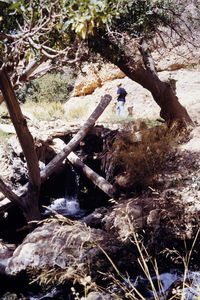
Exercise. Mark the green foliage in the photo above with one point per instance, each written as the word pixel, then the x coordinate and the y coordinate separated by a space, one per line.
pixel 9 18
pixel 85 16
pixel 55 87
pixel 141 18
pixel 71 18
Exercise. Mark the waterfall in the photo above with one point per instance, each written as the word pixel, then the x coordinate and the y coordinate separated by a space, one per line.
pixel 69 205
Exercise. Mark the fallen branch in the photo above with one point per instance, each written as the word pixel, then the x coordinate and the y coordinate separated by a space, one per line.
pixel 99 181
pixel 58 159
pixel 9 194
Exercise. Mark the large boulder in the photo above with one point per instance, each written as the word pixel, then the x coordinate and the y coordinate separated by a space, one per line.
pixel 69 246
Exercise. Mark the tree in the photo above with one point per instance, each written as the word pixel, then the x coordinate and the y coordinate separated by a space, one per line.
pixel 67 32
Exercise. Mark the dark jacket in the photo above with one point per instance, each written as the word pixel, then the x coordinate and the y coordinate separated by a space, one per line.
pixel 122 94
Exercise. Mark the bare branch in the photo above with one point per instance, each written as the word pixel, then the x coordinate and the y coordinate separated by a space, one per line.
pixel 9 194
pixel 32 15
pixel 8 36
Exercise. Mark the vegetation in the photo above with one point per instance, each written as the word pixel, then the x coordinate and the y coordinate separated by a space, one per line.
pixel 117 30
pixel 141 158
pixel 67 33
pixel 52 87
pixel 121 285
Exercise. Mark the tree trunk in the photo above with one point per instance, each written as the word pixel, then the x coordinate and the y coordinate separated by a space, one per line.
pixel 103 184
pixel 30 203
pixel 58 159
pixel 163 93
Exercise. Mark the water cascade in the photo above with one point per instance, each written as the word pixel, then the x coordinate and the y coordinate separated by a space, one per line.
pixel 69 204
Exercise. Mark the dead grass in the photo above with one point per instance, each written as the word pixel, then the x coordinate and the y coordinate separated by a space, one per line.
pixel 44 111
pixel 141 157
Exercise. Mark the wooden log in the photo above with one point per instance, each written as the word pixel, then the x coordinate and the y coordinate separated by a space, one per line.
pixel 98 180
pixel 9 194
pixel 58 159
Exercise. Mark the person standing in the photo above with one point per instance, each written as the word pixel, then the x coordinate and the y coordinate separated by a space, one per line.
pixel 121 98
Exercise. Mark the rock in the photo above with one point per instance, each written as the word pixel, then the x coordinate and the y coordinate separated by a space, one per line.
pixel 98 296
pixel 7 128
pixel 69 247
pixel 10 296
pixel 95 77
pixel 153 219
pixel 123 219
pixel 6 251
pixel 95 218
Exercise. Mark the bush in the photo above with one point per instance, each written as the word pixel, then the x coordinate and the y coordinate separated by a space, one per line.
pixel 52 87
pixel 141 158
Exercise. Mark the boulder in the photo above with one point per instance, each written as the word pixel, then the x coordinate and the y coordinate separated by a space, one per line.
pixel 100 296
pixel 68 246
pixel 93 77
pixel 124 218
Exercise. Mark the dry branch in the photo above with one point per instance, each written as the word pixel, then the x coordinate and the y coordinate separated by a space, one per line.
pixel 29 203
pixel 58 159
pixel 99 181
pixel 19 122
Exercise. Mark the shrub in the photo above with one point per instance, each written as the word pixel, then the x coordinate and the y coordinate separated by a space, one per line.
pixel 141 157
pixel 52 87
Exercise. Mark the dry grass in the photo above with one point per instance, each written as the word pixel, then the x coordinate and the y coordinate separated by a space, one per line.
pixel 77 112
pixel 44 111
pixel 142 157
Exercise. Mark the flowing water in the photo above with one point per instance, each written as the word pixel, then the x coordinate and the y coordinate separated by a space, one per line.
pixel 69 205
pixel 166 280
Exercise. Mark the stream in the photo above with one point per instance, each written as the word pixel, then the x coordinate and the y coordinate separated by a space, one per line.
pixel 17 288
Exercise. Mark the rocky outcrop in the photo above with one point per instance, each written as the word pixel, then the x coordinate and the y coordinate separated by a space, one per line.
pixel 6 251
pixel 93 76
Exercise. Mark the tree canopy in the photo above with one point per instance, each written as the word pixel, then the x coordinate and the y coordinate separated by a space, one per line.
pixel 50 27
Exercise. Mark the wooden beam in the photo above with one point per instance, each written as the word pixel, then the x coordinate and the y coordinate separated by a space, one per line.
pixel 98 180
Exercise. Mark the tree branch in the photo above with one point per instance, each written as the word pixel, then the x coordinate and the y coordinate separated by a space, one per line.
pixel 9 194
pixel 147 57
pixel 98 180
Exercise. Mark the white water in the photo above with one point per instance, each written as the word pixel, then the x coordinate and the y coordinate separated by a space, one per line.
pixel 67 207
pixel 191 290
